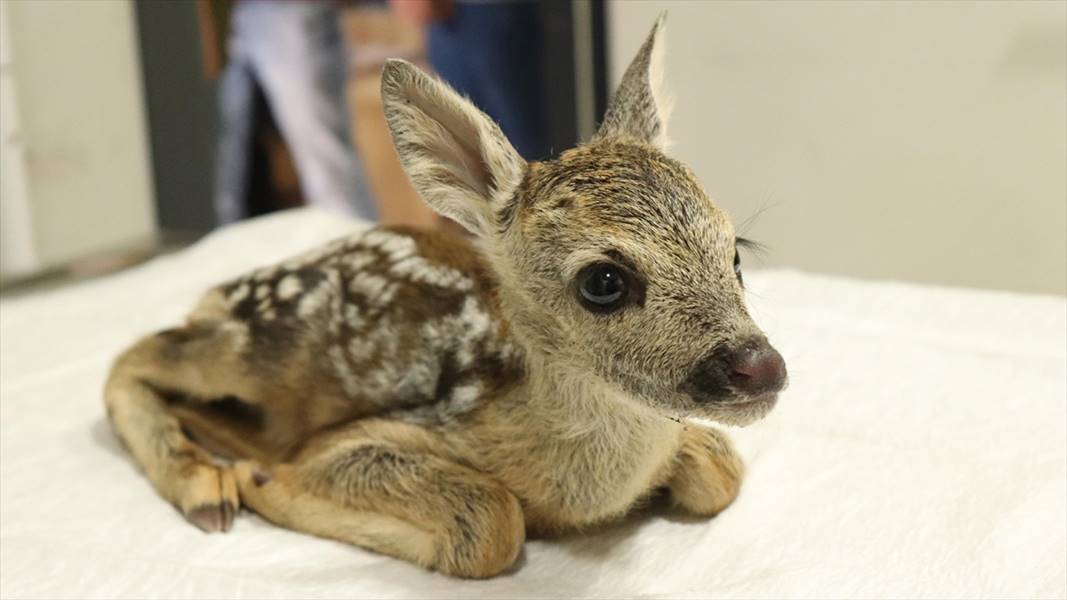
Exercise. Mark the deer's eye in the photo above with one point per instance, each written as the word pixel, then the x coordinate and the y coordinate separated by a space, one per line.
pixel 602 287
pixel 737 265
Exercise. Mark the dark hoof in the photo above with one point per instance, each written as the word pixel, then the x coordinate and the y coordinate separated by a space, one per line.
pixel 212 518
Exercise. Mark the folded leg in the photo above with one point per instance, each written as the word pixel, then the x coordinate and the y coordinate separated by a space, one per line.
pixel 707 471
pixel 381 485
pixel 196 362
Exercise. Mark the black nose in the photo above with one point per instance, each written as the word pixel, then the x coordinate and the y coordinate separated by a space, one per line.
pixel 757 369
pixel 750 368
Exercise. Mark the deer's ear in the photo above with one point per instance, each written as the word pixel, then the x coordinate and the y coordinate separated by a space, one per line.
pixel 641 106
pixel 455 156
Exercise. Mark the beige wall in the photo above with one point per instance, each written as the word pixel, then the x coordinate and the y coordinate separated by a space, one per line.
pixel 924 141
pixel 75 151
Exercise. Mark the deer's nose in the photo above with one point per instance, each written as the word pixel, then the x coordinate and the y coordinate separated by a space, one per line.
pixel 757 369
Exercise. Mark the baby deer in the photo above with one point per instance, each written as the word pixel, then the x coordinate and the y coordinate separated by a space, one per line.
pixel 435 400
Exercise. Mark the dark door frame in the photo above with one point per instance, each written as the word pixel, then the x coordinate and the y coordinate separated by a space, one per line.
pixel 574 69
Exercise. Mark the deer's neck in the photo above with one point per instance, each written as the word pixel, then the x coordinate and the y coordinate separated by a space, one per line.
pixel 577 401
pixel 573 447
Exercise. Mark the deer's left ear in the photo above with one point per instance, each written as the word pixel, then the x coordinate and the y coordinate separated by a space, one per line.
pixel 641 107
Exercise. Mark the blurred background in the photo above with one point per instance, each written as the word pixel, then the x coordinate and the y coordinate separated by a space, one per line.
pixel 918 141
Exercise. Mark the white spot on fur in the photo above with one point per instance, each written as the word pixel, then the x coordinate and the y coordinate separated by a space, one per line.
pixel 360 260
pixel 335 299
pixel 419 270
pixel 463 396
pixel 474 320
pixel 353 318
pixel 266 273
pixel 420 378
pixel 237 333
pixel 376 237
pixel 360 348
pixel 462 400
pixel 368 285
pixel 289 287
pixel 348 379
pixel 472 324
pixel 314 300
pixel 239 294
pixel 262 291
pixel 393 245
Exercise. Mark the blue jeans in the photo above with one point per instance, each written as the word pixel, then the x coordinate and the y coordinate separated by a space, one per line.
pixel 295 53
pixel 489 52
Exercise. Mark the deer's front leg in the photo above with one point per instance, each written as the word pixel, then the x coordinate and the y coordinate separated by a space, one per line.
pixel 707 471
pixel 395 499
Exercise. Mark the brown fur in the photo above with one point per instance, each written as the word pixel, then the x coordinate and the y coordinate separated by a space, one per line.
pixel 410 393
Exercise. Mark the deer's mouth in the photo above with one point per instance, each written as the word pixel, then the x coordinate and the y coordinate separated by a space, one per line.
pixel 767 400
pixel 735 409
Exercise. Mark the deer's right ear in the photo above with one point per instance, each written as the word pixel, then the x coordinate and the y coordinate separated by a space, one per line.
pixel 641 106
pixel 455 155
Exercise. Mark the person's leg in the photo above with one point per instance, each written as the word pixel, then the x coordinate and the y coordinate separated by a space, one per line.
pixel 236 97
pixel 299 57
pixel 446 48
pixel 513 79
pixel 489 52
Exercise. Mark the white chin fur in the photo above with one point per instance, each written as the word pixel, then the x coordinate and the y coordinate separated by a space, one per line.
pixel 740 413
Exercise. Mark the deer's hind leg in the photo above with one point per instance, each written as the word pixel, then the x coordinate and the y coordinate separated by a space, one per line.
pixel 201 360
pixel 385 486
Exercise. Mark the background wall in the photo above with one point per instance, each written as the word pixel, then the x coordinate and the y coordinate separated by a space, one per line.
pixel 924 141
pixel 76 178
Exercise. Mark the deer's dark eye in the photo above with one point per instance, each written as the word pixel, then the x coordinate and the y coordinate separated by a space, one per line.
pixel 737 265
pixel 602 287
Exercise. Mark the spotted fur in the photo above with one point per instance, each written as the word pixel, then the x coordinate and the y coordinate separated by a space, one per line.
pixel 434 400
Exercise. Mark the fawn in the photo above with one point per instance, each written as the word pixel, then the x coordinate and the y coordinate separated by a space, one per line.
pixel 433 400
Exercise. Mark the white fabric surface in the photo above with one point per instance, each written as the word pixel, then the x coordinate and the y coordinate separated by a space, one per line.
pixel 920 451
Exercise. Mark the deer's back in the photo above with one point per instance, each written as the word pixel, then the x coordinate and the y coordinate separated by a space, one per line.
pixel 393 322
